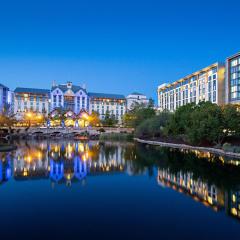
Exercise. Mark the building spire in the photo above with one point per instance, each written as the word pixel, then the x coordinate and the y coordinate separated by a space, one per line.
pixel 54 84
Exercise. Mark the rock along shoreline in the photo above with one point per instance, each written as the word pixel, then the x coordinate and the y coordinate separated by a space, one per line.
pixel 189 147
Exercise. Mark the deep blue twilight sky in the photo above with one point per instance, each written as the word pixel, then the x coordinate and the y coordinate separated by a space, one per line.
pixel 115 46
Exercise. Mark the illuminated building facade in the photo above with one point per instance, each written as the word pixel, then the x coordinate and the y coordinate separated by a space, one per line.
pixel 233 79
pixel 74 98
pixel 31 100
pixel 112 104
pixel 5 97
pixel 69 97
pixel 204 85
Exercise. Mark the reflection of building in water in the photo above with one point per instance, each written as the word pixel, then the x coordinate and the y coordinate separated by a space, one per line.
pixel 5 168
pixel 68 171
pixel 213 157
pixel 110 159
pixel 30 163
pixel 233 203
pixel 199 190
pixel 66 162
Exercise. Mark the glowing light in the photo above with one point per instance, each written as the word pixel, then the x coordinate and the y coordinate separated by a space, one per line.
pixel 234 198
pixel 234 211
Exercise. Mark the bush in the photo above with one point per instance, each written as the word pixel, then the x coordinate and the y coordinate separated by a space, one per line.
pixel 101 130
pixel 227 147
pixel 153 127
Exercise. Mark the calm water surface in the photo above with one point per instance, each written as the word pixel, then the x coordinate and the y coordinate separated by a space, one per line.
pixel 74 190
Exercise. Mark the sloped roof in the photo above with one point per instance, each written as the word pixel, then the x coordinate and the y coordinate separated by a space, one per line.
pixel 31 90
pixel 64 88
pixel 106 95
pixel 136 93
pixel 2 86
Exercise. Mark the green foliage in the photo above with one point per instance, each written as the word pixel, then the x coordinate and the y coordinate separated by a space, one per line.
pixel 153 127
pixel 180 120
pixel 227 147
pixel 231 118
pixel 139 114
pixel 109 120
pixel 205 122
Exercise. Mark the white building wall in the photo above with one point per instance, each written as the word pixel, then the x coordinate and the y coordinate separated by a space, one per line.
pixel 108 105
pixel 134 99
pixel 202 86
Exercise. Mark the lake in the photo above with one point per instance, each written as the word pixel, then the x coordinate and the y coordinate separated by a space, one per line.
pixel 115 190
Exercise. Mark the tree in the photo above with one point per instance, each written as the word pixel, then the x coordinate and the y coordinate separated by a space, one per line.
pixel 137 115
pixel 231 120
pixel 94 119
pixel 205 124
pixel 151 103
pixel 180 120
pixel 109 120
pixel 7 119
pixel 153 127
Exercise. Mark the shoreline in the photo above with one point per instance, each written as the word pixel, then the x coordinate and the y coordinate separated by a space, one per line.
pixel 7 148
pixel 189 147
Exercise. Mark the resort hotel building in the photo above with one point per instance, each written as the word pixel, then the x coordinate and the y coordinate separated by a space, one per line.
pixel 5 97
pixel 113 104
pixel 217 83
pixel 204 85
pixel 233 79
pixel 30 100
pixel 72 99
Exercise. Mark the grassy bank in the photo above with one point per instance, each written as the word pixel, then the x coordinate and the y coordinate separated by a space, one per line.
pixel 116 137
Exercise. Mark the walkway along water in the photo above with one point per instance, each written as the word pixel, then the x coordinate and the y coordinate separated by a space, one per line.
pixel 189 147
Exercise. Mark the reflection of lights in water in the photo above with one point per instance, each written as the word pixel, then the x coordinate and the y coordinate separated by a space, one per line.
pixel 81 147
pixel 29 159
pixel 234 211
pixel 210 200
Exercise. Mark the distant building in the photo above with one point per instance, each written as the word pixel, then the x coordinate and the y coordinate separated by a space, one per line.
pixel 136 98
pixel 206 84
pixel 5 97
pixel 31 100
pixel 233 79
pixel 112 104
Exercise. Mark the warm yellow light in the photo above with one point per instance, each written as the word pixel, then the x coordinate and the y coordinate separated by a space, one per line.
pixel 210 200
pixel 234 198
pixel 234 211
pixel 29 158
pixel 29 114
